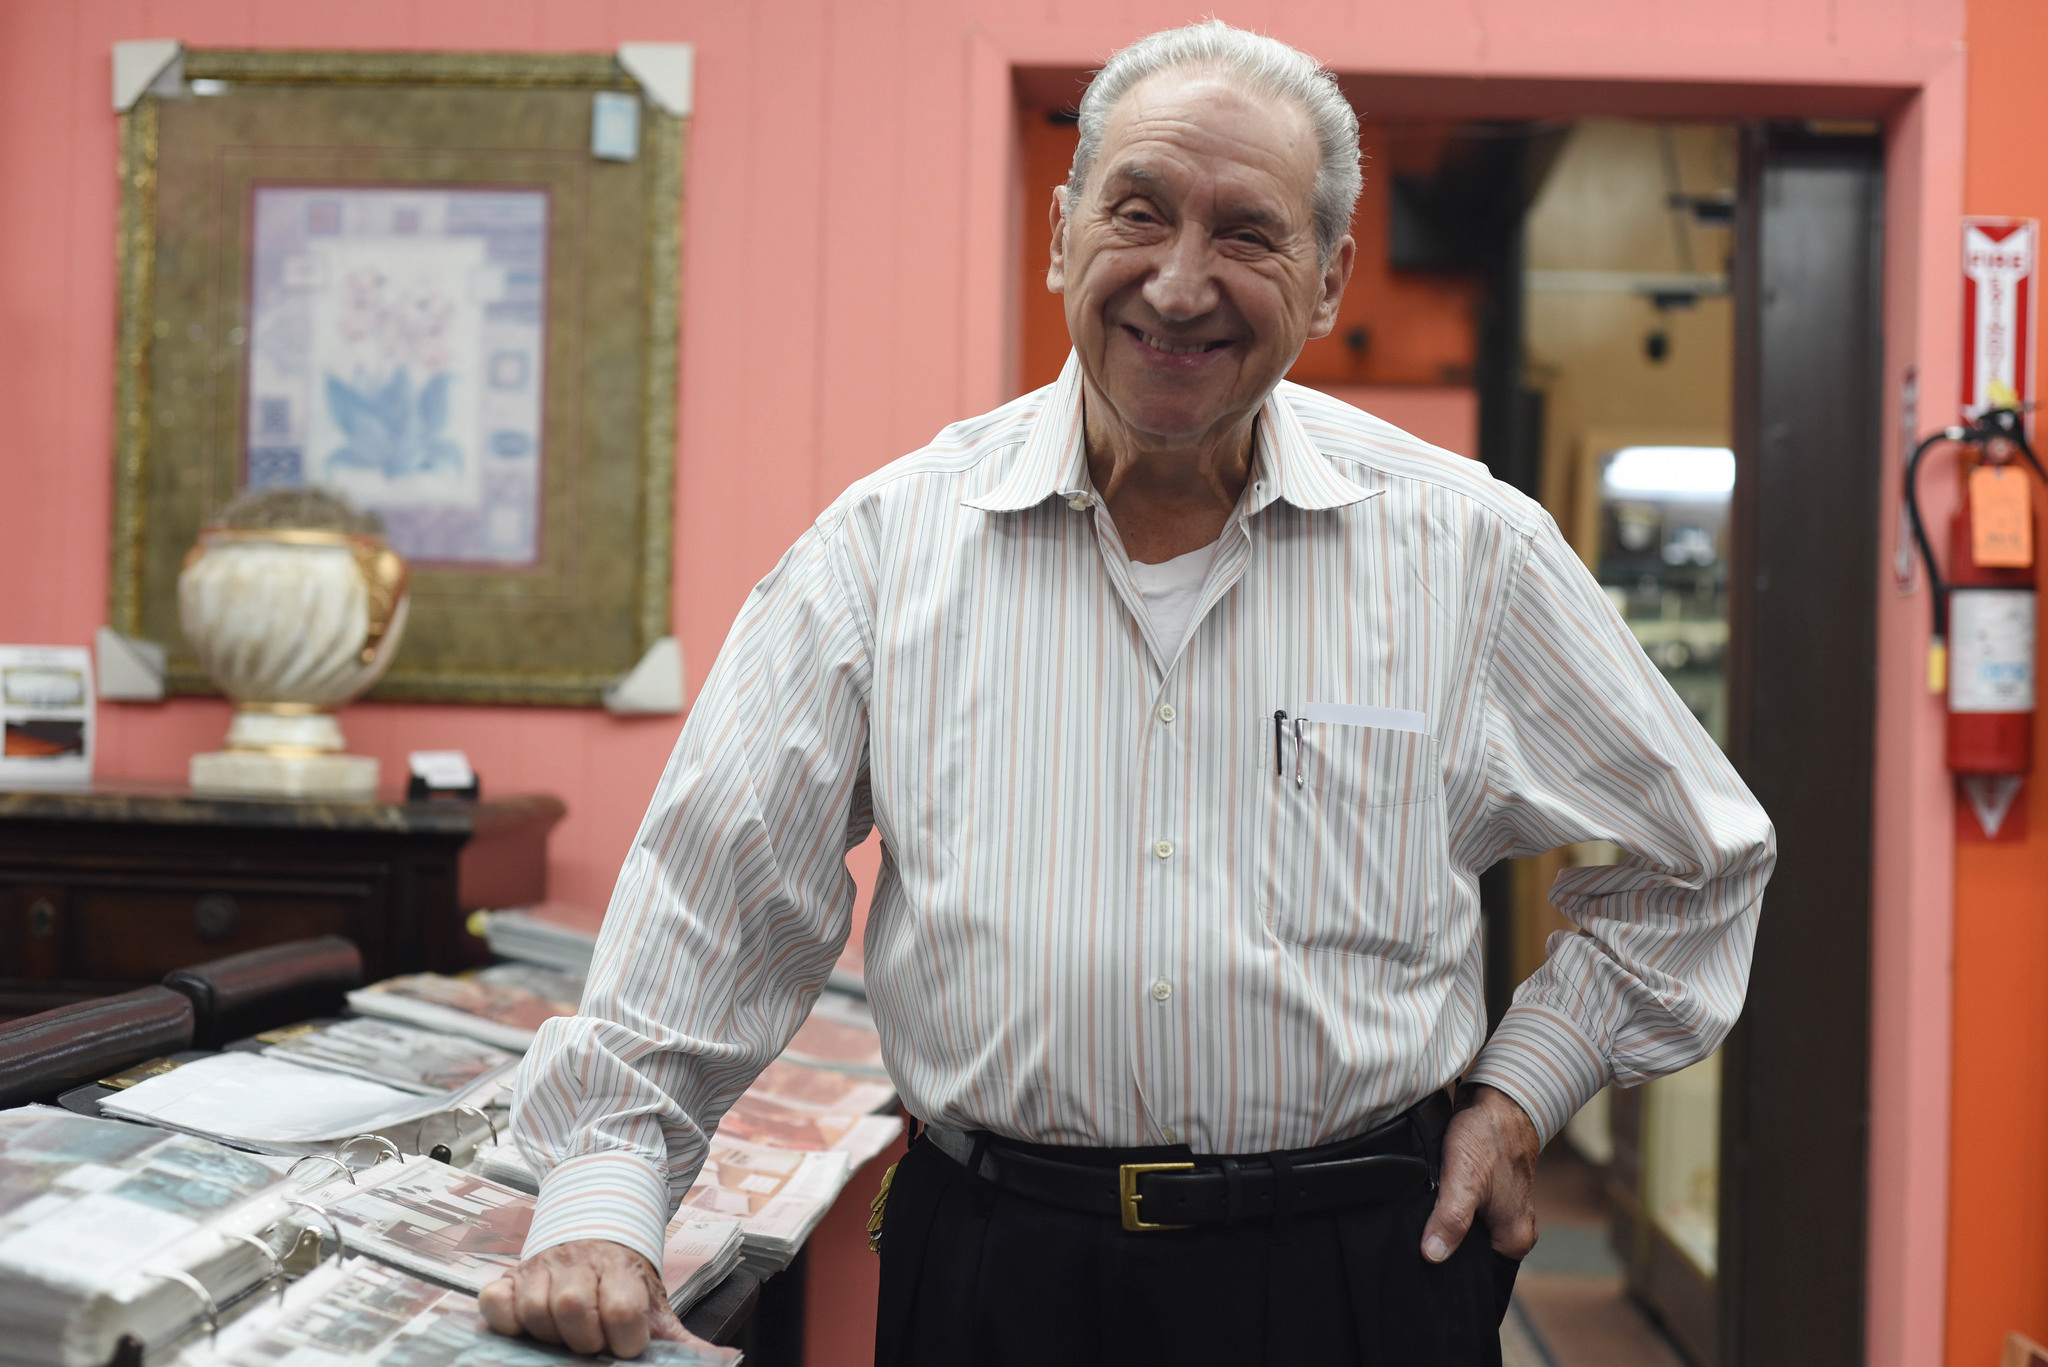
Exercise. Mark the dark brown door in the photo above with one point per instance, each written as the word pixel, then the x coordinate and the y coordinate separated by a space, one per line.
pixel 1795 1108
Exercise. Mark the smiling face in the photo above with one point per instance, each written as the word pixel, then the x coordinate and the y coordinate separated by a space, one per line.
pixel 1190 267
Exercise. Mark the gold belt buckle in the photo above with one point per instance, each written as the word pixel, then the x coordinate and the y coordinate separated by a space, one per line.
pixel 1127 1176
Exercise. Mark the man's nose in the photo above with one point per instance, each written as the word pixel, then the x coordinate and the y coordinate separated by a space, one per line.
pixel 1183 286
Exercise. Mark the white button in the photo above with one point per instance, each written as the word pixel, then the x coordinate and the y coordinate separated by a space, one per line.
pixel 1164 849
pixel 1166 712
pixel 1161 990
pixel 1079 503
pixel 1167 1130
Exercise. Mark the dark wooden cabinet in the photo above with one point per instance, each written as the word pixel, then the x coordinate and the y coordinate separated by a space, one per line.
pixel 111 888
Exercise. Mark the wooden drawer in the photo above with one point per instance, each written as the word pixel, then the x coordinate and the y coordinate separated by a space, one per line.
pixel 32 932
pixel 134 932
pixel 115 886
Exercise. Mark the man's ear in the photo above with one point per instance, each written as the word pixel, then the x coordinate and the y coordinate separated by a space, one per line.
pixel 1056 215
pixel 1336 275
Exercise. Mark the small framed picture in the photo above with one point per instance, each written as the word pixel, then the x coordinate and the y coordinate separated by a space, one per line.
pixel 46 712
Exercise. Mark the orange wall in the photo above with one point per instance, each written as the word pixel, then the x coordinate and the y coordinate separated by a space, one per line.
pixel 1998 1240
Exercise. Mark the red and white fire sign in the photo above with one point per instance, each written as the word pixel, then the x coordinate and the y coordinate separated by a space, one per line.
pixel 1999 259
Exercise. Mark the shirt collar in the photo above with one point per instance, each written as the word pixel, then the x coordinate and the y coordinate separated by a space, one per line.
pixel 1285 463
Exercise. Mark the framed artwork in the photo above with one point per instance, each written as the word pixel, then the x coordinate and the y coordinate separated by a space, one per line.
pixel 443 286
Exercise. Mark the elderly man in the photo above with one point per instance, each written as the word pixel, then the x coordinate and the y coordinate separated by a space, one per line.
pixel 1189 705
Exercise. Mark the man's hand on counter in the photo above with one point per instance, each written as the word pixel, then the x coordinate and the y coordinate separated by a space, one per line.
pixel 588 1295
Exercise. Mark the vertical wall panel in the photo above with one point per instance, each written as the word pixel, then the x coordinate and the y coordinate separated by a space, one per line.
pixel 864 255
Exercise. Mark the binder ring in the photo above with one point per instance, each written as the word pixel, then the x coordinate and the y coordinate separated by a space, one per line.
pixel 455 1112
pixel 334 1228
pixel 386 1149
pixel 197 1288
pixel 483 1116
pixel 269 1253
pixel 346 1170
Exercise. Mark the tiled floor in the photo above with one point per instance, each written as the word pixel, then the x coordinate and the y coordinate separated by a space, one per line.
pixel 1570 1309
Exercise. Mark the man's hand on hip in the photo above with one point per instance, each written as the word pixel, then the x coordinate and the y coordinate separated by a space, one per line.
pixel 1489 1169
pixel 589 1295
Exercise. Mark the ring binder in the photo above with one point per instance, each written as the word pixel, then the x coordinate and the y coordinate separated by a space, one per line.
pixel 197 1288
pixel 276 1276
pixel 443 1153
pixel 346 1170
pixel 341 1149
pixel 333 1227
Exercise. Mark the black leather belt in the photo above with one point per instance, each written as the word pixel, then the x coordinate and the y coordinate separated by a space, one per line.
pixel 1391 1163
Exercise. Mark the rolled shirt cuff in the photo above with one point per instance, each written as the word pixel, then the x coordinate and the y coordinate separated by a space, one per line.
pixel 615 1196
pixel 1541 1058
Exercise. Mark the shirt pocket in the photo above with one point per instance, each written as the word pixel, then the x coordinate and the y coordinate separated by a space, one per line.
pixel 1352 853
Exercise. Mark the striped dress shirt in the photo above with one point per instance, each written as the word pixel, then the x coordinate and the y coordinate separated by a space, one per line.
pixel 1222 894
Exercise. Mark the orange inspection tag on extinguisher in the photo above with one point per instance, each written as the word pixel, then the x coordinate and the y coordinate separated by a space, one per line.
pixel 2001 518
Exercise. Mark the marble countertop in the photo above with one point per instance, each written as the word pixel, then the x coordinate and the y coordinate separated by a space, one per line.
pixel 169 805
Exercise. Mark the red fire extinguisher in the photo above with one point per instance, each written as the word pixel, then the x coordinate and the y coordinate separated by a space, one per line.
pixel 1982 654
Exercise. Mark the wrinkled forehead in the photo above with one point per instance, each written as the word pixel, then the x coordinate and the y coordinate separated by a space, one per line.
pixel 1186 126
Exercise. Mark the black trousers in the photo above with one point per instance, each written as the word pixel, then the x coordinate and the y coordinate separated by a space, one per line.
pixel 972 1274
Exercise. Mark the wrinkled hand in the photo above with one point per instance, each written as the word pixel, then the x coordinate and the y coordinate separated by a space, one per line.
pixel 1489 1169
pixel 589 1295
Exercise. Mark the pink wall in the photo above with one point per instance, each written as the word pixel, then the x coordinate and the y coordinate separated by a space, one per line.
pixel 849 262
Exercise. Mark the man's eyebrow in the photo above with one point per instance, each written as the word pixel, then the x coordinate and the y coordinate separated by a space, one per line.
pixel 1138 175
pixel 1141 177
pixel 1254 215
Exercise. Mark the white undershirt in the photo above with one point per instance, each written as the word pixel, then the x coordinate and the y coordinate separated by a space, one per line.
pixel 1170 590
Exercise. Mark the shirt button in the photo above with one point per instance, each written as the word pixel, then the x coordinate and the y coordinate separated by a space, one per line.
pixel 1166 712
pixel 1164 849
pixel 1167 1130
pixel 1079 503
pixel 1161 990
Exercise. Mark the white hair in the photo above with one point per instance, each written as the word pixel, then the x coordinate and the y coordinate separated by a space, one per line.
pixel 1268 66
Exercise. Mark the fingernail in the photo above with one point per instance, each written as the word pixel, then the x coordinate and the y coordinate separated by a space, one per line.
pixel 1435 1249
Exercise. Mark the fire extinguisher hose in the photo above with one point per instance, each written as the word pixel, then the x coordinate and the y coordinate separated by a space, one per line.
pixel 2006 423
pixel 1934 582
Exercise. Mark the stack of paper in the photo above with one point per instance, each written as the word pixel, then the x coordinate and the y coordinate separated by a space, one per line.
pixel 552 934
pixel 366 1315
pixel 788 1145
pixel 466 1231
pixel 502 1005
pixel 801 1087
pixel 257 1102
pixel 100 1220
pixel 759 1120
pixel 401 1056
pixel 777 1196
pixel 505 1165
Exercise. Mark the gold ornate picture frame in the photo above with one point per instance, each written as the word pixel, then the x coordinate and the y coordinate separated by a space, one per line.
pixel 444 285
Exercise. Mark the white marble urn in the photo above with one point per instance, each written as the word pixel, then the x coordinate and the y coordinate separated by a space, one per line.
pixel 291 623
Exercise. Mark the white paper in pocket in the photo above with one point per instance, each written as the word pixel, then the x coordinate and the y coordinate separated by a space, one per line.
pixel 1384 718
